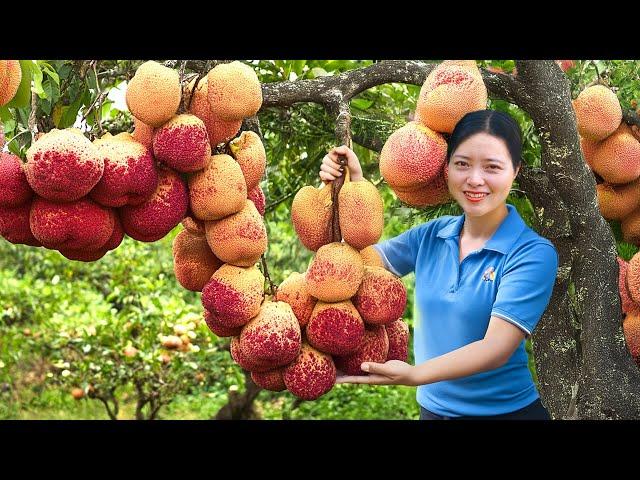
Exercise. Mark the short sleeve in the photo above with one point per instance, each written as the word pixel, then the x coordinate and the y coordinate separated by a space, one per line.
pixel 526 285
pixel 399 253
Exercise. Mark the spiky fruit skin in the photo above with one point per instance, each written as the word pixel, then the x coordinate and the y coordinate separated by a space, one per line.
pixel 335 328
pixel 143 133
pixel 598 112
pixel 432 193
pixel 588 148
pixel 219 190
pixel 361 214
pixel 163 210
pixel 335 273
pixel 153 94
pixel 63 165
pixel 182 143
pixel 398 335
pixel 273 336
pixel 630 227
pixel 129 177
pixel 10 77
pixel 71 226
pixel 233 91
pixel 219 131
pixel 633 278
pixel 381 298
pixel 239 239
pixel 193 261
pixel 14 225
pixel 249 152
pixel 311 374
pixel 374 348
pixel 311 214
pixel 256 195
pixel 631 329
pixel 193 225
pixel 450 91
pixel 618 201
pixel 625 298
pixel 218 328
pixel 245 362
pixel 566 64
pixel 293 290
pixel 14 188
pixel 91 255
pixel 270 380
pixel 233 295
pixel 413 155
pixel 371 257
pixel 617 158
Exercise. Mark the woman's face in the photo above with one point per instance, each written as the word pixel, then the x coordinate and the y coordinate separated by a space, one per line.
pixel 481 174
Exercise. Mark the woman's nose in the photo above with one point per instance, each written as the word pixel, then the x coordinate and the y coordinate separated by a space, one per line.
pixel 475 177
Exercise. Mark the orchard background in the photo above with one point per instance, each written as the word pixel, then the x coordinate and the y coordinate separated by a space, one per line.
pixel 82 340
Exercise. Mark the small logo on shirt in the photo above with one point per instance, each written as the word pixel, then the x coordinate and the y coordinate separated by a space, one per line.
pixel 489 274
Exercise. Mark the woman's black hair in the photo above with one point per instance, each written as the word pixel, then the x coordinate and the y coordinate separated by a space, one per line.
pixel 498 124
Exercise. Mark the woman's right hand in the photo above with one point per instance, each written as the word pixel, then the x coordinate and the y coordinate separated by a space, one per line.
pixel 330 168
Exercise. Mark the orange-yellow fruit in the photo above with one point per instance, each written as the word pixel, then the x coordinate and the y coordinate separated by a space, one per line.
pixel 381 298
pixel 193 261
pixel 361 214
pixel 130 351
pixel 311 214
pixel 398 334
pixel 293 290
pixel 617 158
pixel 335 273
pixel 248 151
pixel 218 328
pixel 627 303
pixel 432 193
pixel 450 91
pixel 219 131
pixel 218 190
pixel 618 201
pixel 234 91
pixel 598 112
pixel 129 176
pixel 63 165
pixel 631 329
pixel 630 227
pixel 233 295
pixel 10 77
pixel 335 328
pixel 160 213
pixel 182 143
pixel 311 374
pixel 193 225
pixel 77 393
pixel 143 133
pixel 239 239
pixel 273 336
pixel 412 155
pixel 153 94
pixel 74 225
pixel 245 362
pixel 374 348
pixel 270 380
pixel 588 148
pixel 371 257
pixel 633 278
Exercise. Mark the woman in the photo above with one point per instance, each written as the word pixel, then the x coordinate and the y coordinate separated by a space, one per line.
pixel 483 280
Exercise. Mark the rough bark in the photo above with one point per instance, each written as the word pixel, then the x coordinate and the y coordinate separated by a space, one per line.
pixel 583 366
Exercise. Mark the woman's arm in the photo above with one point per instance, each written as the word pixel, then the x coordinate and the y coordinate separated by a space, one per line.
pixel 500 341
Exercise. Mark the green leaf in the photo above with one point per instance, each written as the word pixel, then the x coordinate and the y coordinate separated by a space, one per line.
pixel 361 103
pixel 298 65
pixel 37 81
pixel 48 69
pixel 318 72
pixel 22 98
pixel 70 114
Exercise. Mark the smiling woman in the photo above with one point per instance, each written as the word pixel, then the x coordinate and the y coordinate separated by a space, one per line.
pixel 483 280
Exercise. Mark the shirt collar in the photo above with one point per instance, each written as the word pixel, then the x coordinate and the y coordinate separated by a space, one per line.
pixel 503 238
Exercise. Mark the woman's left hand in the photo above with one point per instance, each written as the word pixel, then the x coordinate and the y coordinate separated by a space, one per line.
pixel 393 372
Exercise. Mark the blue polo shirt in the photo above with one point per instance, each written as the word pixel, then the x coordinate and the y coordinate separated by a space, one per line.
pixel 511 277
